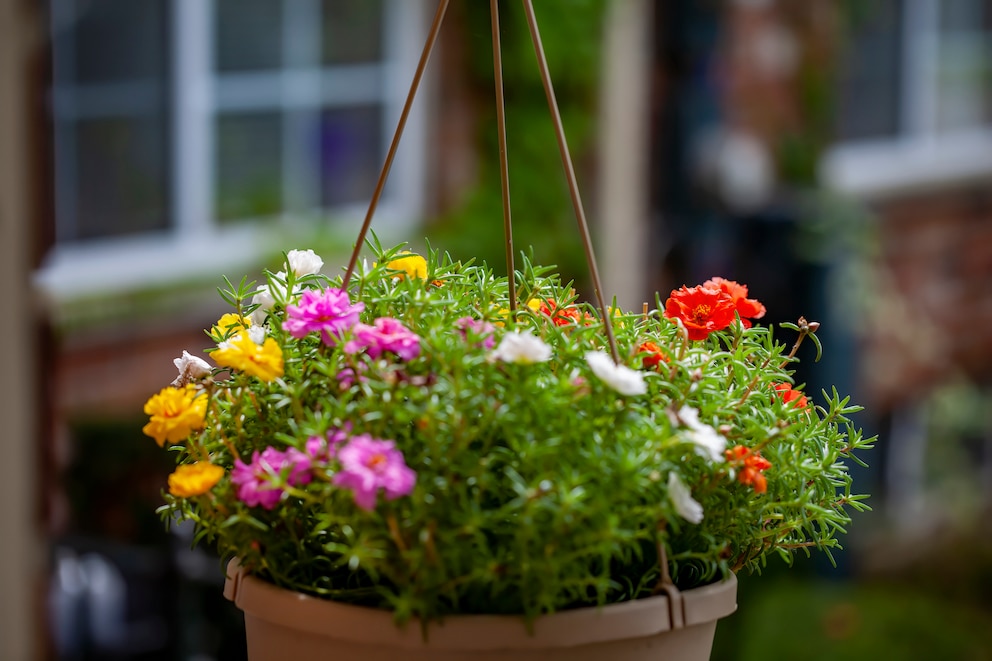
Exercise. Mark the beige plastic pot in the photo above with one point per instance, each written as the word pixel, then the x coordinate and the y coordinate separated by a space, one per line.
pixel 281 624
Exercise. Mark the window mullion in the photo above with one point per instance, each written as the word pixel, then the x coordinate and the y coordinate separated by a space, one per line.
pixel 405 29
pixel 62 99
pixel 191 43
pixel 921 50
pixel 301 105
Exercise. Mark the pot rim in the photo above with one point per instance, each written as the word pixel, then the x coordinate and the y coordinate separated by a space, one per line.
pixel 631 619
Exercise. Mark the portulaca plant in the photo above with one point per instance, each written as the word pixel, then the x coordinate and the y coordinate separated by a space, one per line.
pixel 412 441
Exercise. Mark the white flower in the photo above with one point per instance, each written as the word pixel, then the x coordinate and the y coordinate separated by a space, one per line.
pixel 265 298
pixel 619 377
pixel 191 368
pixel 304 262
pixel 257 334
pixel 517 347
pixel 683 502
pixel 709 444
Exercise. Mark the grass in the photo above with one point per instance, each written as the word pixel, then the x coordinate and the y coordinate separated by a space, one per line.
pixel 814 618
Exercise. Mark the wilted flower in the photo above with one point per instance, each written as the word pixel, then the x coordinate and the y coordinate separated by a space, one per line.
pixel 191 368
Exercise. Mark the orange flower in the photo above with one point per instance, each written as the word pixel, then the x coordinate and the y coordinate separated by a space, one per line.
pixel 750 466
pixel 654 355
pixel 789 394
pixel 195 479
pixel 702 310
pixel 747 308
pixel 564 316
pixel 175 414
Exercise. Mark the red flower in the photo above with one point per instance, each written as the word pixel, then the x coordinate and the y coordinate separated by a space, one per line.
pixel 654 355
pixel 751 465
pixel 789 394
pixel 563 316
pixel 747 308
pixel 701 309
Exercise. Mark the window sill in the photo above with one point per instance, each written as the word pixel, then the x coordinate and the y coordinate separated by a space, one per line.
pixel 888 168
pixel 76 282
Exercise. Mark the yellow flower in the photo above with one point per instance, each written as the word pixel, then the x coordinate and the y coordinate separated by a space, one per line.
pixel 194 479
pixel 175 414
pixel 241 353
pixel 228 325
pixel 410 263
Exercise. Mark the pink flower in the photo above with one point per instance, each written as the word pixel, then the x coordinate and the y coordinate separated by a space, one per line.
pixel 258 482
pixel 322 449
pixel 386 334
pixel 329 312
pixel 349 376
pixel 481 330
pixel 369 464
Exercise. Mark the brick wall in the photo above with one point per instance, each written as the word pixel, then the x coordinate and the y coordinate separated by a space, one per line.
pixel 934 293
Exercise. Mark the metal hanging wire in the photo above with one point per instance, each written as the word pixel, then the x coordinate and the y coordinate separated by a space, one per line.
pixel 566 158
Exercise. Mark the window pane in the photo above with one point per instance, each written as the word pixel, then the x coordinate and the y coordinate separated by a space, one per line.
pixel 249 166
pixel 121 177
pixel 116 40
pixel 964 72
pixel 350 154
pixel 248 34
pixel 869 73
pixel 352 31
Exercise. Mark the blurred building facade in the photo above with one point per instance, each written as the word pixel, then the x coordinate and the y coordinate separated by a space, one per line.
pixel 836 159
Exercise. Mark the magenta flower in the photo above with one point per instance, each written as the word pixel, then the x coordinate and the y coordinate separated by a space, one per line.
pixel 386 334
pixel 329 312
pixel 321 449
pixel 349 376
pixel 369 464
pixel 258 483
pixel 483 330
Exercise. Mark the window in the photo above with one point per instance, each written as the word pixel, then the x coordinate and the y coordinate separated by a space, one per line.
pixel 915 96
pixel 182 125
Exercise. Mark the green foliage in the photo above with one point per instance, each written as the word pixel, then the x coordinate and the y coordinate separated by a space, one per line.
pixel 540 485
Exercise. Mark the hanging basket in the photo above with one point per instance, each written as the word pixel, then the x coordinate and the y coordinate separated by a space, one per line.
pixel 281 624
pixel 675 626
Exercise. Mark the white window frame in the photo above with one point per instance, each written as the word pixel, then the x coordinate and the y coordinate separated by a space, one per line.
pixel 195 244
pixel 920 157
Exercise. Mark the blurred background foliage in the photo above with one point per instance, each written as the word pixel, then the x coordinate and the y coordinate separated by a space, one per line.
pixel 543 218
